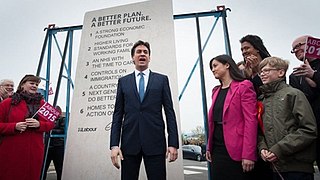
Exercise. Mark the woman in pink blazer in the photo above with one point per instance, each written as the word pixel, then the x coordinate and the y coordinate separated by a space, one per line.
pixel 232 122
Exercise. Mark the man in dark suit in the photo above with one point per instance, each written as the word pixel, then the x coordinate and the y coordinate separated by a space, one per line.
pixel 306 78
pixel 138 120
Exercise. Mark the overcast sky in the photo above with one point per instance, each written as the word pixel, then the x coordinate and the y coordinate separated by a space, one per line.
pixel 278 23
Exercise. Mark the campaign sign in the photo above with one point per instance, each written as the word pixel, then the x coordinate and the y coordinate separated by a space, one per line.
pixel 48 112
pixel 104 56
pixel 313 48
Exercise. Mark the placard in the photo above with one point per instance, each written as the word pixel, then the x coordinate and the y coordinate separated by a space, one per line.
pixel 48 112
pixel 313 48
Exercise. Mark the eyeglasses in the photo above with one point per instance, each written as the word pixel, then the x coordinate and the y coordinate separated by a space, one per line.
pixel 296 47
pixel 267 71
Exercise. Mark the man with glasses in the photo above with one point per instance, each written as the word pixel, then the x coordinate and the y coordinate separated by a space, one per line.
pixel 306 77
pixel 6 89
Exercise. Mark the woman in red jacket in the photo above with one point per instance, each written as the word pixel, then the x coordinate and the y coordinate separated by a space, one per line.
pixel 232 122
pixel 21 146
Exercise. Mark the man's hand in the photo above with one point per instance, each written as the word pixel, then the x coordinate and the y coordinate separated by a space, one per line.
pixel 304 70
pixel 172 153
pixel 115 155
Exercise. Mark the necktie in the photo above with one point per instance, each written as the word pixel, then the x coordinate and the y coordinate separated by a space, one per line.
pixel 141 86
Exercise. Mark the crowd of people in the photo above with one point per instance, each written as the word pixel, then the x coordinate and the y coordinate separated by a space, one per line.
pixel 22 147
pixel 260 126
pixel 21 130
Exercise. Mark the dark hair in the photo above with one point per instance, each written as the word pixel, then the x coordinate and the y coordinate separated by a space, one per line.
pixel 257 43
pixel 235 73
pixel 241 63
pixel 28 77
pixel 138 43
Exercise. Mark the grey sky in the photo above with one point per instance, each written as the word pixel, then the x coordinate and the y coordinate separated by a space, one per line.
pixel 276 22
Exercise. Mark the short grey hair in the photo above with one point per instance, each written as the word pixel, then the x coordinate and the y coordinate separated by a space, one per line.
pixel 3 81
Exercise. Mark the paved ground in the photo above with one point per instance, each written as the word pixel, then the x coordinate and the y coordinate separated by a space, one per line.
pixel 51 173
pixel 193 170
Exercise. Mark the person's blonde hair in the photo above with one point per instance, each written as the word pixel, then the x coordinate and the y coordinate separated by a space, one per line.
pixel 275 62
pixel 4 81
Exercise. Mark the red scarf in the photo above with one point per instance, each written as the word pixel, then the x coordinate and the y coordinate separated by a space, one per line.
pixel 260 112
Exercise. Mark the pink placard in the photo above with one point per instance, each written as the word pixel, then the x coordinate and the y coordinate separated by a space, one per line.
pixel 48 112
pixel 313 48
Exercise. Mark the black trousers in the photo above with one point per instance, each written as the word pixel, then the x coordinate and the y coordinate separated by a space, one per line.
pixel 55 154
pixel 261 171
pixel 222 166
pixel 155 166
pixel 293 176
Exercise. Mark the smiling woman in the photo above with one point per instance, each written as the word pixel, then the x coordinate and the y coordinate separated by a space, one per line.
pixel 22 131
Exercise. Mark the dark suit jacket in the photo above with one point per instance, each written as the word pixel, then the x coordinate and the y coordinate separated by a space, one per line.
pixel 312 94
pixel 140 125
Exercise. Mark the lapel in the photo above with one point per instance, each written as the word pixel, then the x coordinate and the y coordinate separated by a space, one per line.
pixel 232 91
pixel 134 85
pixel 150 81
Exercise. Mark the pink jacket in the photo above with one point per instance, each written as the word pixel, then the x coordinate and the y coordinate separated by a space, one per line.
pixel 240 122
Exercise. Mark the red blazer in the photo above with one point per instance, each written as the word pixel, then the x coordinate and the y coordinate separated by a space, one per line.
pixel 240 122
pixel 21 154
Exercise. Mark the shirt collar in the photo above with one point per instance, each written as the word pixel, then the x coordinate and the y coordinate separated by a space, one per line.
pixel 145 72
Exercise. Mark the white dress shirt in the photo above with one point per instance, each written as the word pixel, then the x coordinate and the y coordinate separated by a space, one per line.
pixel 145 76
